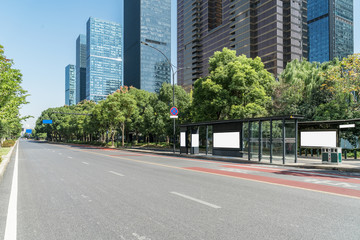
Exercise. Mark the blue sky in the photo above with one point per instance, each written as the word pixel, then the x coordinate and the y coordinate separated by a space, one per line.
pixel 40 35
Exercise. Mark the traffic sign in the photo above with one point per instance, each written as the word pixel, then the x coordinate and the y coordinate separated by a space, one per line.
pixel 45 121
pixel 29 131
pixel 173 116
pixel 174 111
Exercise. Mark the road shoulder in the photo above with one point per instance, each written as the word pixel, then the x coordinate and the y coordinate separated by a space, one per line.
pixel 6 161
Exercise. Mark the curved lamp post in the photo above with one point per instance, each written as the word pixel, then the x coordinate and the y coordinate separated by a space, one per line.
pixel 173 82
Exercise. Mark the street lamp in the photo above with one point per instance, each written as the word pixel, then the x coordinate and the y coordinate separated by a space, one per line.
pixel 173 82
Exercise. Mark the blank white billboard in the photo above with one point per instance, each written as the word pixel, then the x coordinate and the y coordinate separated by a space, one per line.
pixel 318 139
pixel 227 140
pixel 194 140
pixel 182 139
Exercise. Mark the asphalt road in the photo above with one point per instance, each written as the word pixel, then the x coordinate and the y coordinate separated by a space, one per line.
pixel 76 192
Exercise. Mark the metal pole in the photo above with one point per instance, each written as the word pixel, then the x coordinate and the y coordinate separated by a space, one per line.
pixel 249 141
pixel 260 141
pixel 271 141
pixel 296 139
pixel 207 139
pixel 173 79
pixel 283 141
pixel 242 140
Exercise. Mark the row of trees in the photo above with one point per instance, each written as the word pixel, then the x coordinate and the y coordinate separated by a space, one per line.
pixel 327 91
pixel 128 110
pixel 236 87
pixel 12 96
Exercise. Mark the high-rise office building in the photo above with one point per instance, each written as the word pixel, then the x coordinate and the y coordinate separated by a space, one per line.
pixel 274 30
pixel 80 68
pixel 70 85
pixel 104 58
pixel 147 21
pixel 330 25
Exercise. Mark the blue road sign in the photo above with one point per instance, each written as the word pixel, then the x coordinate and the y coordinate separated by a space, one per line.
pixel 47 121
pixel 174 111
pixel 29 131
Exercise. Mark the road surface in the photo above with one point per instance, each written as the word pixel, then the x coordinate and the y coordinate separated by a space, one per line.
pixel 77 192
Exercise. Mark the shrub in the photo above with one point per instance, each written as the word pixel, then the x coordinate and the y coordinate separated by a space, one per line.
pixel 8 143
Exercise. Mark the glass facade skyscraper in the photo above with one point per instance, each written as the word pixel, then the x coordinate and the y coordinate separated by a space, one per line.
pixel 104 58
pixel 80 68
pixel 330 24
pixel 70 85
pixel 274 30
pixel 147 21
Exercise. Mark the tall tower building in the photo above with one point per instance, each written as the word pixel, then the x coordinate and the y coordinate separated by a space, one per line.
pixel 80 68
pixel 331 29
pixel 70 85
pixel 104 58
pixel 147 21
pixel 274 30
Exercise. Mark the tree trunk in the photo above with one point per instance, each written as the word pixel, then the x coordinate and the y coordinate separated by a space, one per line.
pixel 113 138
pixel 122 133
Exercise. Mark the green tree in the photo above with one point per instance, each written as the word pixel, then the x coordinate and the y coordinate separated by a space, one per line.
pixel 299 89
pixel 343 83
pixel 12 96
pixel 117 110
pixel 141 118
pixel 237 87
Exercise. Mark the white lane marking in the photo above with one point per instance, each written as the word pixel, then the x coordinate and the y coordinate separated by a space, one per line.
pixel 11 220
pixel 328 182
pixel 85 163
pixel 86 197
pixel 139 237
pixel 236 170
pixel 119 174
pixel 60 153
pixel 322 174
pixel 69 157
pixel 196 200
pixel 308 172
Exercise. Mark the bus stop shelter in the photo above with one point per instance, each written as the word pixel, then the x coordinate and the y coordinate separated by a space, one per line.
pixel 255 139
pixel 315 135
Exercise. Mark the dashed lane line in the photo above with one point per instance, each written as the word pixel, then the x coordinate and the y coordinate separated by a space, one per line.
pixel 196 200
pixel 116 173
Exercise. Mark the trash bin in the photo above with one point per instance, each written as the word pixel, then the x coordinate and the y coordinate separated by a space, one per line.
pixel 331 155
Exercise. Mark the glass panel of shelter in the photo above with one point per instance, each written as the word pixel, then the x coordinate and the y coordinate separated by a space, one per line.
pixel 265 141
pixel 277 143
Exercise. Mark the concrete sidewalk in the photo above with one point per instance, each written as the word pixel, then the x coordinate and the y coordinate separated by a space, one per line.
pixel 348 165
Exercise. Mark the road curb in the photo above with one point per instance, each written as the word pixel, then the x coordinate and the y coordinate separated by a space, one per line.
pixel 6 161
pixel 231 160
